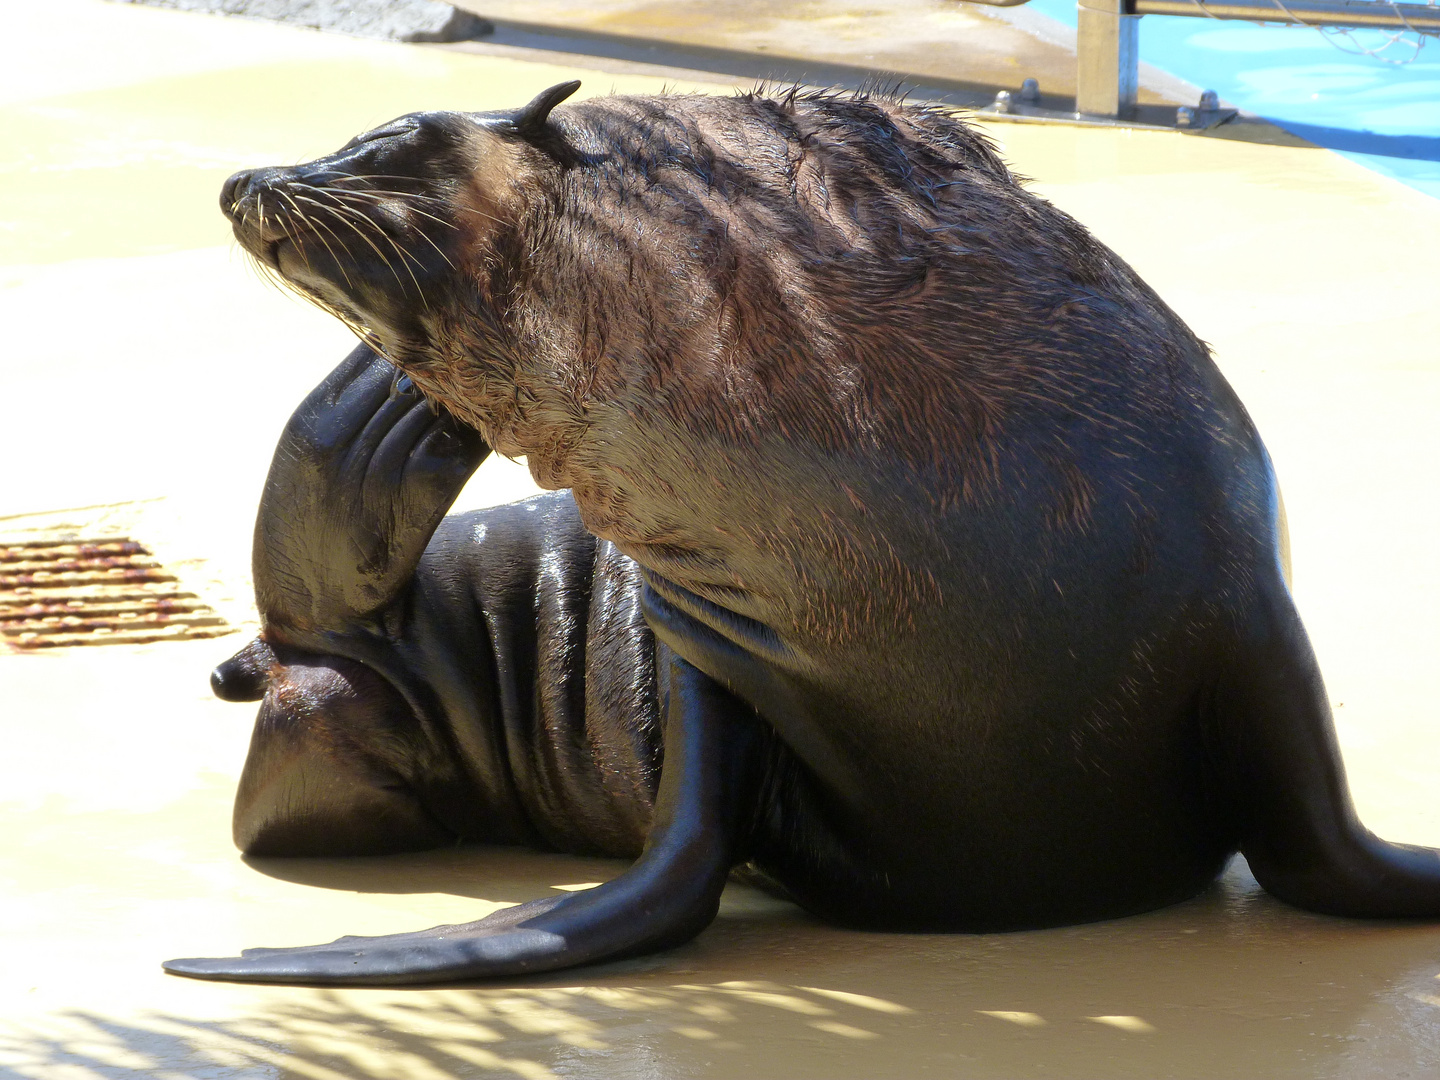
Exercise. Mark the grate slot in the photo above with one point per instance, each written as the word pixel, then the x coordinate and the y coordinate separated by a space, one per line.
pixel 56 593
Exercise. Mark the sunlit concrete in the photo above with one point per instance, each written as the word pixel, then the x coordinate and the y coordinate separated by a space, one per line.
pixel 146 366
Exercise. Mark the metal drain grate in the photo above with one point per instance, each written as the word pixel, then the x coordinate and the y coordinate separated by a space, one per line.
pixel 94 592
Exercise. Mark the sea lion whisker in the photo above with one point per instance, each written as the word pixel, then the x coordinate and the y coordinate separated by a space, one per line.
pixel 372 342
pixel 360 330
pixel 389 193
pixel 405 254
pixel 377 196
pixel 363 218
pixel 304 221
pixel 395 193
pixel 420 232
pixel 446 203
pixel 270 276
pixel 381 197
pixel 365 178
pixel 345 218
pixel 412 194
pixel 340 263
pixel 343 246
pixel 343 215
pixel 257 268
pixel 265 271
pixel 419 196
pixel 439 202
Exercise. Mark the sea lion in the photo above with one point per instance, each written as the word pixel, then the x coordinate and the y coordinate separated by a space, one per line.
pixel 493 682
pixel 915 471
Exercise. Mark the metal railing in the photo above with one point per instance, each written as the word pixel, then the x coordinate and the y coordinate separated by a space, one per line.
pixel 1107 55
pixel 1424 18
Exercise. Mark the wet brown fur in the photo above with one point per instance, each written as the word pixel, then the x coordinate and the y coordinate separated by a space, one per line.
pixel 722 264
pixel 827 274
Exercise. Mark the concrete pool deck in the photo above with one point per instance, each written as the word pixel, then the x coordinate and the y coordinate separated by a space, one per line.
pixel 147 374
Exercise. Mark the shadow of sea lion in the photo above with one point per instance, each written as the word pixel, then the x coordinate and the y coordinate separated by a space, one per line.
pixel 1232 983
pixel 504 874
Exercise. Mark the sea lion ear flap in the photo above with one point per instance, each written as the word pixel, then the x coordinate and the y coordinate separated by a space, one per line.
pixel 529 122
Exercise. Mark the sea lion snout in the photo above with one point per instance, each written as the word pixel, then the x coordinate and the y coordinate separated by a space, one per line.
pixel 362 232
pixel 255 200
pixel 230 192
pixel 245 675
pixel 374 232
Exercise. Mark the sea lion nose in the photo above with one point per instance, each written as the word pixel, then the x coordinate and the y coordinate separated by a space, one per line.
pixel 235 189
pixel 246 675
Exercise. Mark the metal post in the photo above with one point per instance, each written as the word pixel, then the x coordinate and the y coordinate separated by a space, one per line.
pixel 1107 59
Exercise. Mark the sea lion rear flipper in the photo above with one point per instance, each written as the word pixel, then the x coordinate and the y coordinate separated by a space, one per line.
pixel 1299 830
pixel 668 896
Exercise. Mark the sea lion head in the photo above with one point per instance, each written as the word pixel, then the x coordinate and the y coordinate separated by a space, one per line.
pixel 344 758
pixel 335 761
pixel 399 230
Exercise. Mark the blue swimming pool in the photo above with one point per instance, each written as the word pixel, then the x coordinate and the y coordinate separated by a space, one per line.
pixel 1385 116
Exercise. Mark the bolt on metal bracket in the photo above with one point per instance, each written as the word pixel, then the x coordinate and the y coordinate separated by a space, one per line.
pixel 1206 115
pixel 1027 105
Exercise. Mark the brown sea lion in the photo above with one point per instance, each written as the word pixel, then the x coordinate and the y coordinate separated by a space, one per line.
pixel 915 471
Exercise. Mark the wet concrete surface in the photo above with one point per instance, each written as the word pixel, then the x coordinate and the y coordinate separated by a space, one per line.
pixel 148 372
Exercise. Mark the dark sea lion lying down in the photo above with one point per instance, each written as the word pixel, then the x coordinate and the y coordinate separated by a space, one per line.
pixel 960 556
pixel 499 684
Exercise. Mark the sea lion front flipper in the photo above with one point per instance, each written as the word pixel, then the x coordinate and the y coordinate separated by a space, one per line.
pixel 672 892
pixel 360 480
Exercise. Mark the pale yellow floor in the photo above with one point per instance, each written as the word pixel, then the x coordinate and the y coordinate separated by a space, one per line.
pixel 145 364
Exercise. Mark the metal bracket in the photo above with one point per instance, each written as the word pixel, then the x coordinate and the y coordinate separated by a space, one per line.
pixel 1206 115
pixel 1027 106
